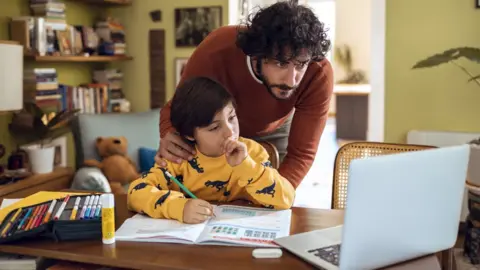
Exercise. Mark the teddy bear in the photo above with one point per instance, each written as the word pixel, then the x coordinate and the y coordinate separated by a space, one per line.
pixel 117 167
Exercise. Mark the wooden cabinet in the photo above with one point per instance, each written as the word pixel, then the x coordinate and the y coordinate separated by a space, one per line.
pixel 59 179
pixel 351 106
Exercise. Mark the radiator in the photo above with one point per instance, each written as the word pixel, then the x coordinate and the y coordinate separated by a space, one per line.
pixel 439 138
pixel 448 138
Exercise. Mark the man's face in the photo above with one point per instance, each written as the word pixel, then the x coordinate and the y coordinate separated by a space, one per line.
pixel 283 77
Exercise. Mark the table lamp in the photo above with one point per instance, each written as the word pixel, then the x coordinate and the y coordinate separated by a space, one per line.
pixel 11 76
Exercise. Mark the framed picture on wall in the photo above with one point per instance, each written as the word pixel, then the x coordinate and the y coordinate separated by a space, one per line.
pixel 192 25
pixel 477 3
pixel 179 67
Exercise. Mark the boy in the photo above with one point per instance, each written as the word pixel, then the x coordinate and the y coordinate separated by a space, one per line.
pixel 225 168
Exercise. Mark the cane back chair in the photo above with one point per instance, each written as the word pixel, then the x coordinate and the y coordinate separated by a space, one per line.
pixel 355 150
pixel 273 154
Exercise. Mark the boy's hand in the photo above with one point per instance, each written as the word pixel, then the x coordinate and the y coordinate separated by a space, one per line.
pixel 235 151
pixel 197 211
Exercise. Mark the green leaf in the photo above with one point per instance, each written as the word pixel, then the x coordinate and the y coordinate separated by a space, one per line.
pixel 33 109
pixel 40 129
pixel 474 78
pixel 63 119
pixel 438 59
pixel 62 116
pixel 472 54
pixel 29 127
pixel 58 132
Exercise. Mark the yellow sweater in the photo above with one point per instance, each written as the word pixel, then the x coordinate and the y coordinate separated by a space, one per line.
pixel 211 179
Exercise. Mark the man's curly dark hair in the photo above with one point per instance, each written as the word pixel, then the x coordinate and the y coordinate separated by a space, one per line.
pixel 283 25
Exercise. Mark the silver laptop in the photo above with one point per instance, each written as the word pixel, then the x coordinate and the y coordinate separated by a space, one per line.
pixel 399 207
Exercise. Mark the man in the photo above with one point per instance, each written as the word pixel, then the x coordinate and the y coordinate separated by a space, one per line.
pixel 275 68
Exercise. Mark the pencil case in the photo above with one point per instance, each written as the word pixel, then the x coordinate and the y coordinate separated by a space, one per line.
pixel 44 215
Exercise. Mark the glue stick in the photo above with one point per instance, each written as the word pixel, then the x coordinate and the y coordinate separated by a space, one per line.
pixel 108 219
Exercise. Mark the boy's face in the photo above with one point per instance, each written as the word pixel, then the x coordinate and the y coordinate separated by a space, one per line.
pixel 224 125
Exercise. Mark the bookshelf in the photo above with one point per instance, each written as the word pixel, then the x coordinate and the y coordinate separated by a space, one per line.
pixel 79 58
pixel 50 41
pixel 107 2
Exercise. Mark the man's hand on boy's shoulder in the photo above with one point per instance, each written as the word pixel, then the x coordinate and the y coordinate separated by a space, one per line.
pixel 173 148
pixel 235 151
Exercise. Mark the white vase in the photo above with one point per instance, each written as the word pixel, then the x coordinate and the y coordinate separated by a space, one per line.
pixel 41 159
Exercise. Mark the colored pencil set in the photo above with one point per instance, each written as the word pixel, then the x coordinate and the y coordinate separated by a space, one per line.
pixel 69 208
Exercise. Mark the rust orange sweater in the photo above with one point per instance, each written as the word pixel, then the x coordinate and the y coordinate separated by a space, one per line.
pixel 258 112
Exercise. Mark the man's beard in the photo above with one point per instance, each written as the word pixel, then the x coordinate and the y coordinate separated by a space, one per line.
pixel 271 86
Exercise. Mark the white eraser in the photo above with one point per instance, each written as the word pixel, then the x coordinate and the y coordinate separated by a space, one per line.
pixel 270 253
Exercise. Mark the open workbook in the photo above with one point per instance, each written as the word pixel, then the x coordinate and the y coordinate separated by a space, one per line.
pixel 232 226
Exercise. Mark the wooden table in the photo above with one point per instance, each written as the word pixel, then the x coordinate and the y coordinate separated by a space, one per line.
pixel 179 256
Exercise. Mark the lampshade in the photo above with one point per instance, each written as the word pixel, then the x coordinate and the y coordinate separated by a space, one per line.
pixel 11 77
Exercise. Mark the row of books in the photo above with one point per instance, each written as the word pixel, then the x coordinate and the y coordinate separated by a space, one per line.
pixel 103 96
pixel 46 32
pixel 88 98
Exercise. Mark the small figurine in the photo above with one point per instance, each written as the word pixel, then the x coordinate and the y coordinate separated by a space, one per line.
pixel 17 167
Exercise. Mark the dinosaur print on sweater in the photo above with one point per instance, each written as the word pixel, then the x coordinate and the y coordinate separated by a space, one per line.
pixel 268 190
pixel 217 184
pixel 162 199
pixel 195 165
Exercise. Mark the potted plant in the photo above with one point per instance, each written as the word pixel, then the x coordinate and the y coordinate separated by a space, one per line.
pixel 343 57
pixel 471 245
pixel 33 127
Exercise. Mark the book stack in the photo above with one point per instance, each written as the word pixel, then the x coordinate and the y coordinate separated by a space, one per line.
pixel 113 78
pixel 52 10
pixel 38 31
pixel 112 34
pixel 41 86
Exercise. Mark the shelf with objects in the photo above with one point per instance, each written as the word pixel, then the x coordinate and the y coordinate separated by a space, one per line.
pixel 78 58
pixel 48 38
pixel 107 2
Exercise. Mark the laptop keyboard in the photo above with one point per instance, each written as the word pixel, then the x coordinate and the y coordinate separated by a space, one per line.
pixel 329 254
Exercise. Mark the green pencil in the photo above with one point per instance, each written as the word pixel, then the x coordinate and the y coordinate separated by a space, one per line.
pixel 180 185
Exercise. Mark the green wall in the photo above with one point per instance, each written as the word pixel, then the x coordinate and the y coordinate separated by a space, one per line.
pixel 138 23
pixel 434 99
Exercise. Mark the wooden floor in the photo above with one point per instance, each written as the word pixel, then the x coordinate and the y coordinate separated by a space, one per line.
pixel 316 189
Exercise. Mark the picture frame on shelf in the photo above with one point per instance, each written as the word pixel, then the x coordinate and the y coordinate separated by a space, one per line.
pixel 64 42
pixel 180 63
pixel 193 24
pixel 60 158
